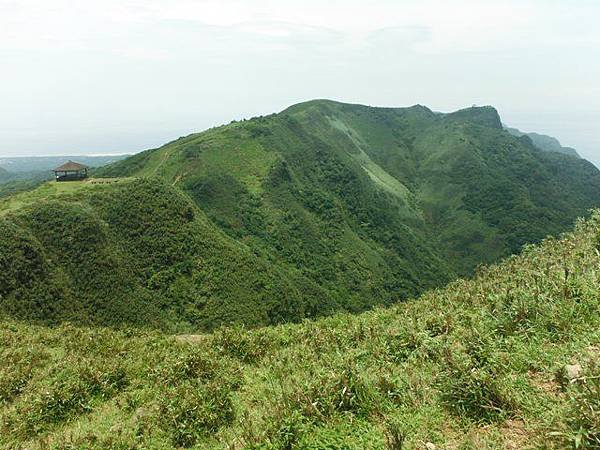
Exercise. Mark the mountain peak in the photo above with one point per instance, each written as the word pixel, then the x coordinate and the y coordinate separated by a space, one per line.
pixel 482 115
pixel 487 116
pixel 315 103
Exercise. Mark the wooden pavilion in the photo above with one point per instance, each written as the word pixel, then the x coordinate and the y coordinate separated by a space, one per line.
pixel 71 171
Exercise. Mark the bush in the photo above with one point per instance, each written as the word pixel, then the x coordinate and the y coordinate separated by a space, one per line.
pixel 242 345
pixel 341 391
pixel 193 410
pixel 71 392
pixel 476 391
pixel 192 364
pixel 583 419
pixel 17 369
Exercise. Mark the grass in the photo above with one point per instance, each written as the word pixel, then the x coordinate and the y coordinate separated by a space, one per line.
pixel 433 195
pixel 138 252
pixel 477 364
pixel 323 208
pixel 51 190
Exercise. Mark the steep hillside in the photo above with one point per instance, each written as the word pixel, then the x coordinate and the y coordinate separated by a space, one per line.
pixel 423 194
pixel 137 252
pixel 507 360
pixel 321 208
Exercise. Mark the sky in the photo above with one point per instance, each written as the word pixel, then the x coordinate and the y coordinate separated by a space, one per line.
pixel 120 76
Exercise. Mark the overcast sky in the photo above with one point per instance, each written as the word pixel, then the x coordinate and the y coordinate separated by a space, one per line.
pixel 115 76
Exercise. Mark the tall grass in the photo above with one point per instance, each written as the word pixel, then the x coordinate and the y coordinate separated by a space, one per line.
pixel 473 365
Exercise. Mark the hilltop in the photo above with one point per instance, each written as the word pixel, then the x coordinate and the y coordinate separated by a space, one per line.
pixel 25 164
pixel 507 360
pixel 23 173
pixel 321 208
pixel 459 183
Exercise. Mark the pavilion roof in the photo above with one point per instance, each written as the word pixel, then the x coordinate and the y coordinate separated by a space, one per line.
pixel 70 165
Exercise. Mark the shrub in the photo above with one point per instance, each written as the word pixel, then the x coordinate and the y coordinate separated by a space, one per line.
pixel 583 419
pixel 190 364
pixel 192 410
pixel 475 391
pixel 242 345
pixel 71 392
pixel 17 369
pixel 344 391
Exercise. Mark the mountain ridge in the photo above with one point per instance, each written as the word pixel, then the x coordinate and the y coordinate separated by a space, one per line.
pixel 350 206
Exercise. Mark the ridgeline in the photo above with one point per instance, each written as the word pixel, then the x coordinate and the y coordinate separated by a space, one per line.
pixel 321 208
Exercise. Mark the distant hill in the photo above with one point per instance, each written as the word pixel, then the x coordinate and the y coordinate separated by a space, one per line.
pixel 12 186
pixel 7 176
pixel 546 143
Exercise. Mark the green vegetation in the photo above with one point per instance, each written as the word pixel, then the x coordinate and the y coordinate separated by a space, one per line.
pixel 137 252
pixel 12 183
pixel 18 174
pixel 9 188
pixel 423 195
pixel 324 207
pixel 545 143
pixel 479 364
pixel 29 165
pixel 320 210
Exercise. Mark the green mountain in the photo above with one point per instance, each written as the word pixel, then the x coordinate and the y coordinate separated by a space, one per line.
pixel 137 252
pixel 546 143
pixel 321 208
pixel 507 360
pixel 458 182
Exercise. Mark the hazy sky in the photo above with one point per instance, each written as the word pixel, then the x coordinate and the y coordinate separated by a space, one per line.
pixel 124 75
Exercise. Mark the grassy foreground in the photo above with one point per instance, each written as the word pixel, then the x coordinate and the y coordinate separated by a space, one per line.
pixel 479 364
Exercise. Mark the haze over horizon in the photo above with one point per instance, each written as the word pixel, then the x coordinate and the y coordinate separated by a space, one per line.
pixel 124 76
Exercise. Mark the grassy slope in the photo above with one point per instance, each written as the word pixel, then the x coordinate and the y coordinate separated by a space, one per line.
pixel 475 365
pixel 462 186
pixel 323 207
pixel 137 252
